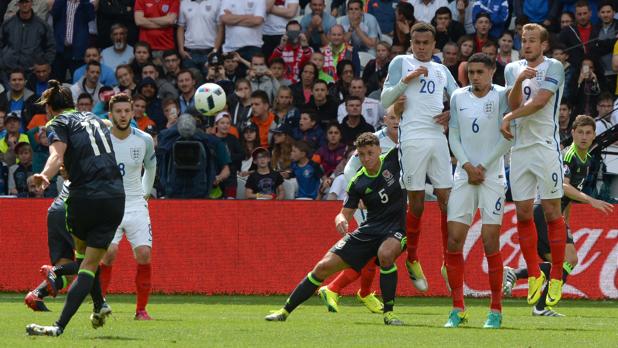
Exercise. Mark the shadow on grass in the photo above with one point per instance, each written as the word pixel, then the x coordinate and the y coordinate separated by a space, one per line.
pixel 479 328
pixel 116 338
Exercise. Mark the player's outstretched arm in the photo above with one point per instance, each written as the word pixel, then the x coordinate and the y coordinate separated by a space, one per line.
pixel 53 164
pixel 341 220
pixel 579 196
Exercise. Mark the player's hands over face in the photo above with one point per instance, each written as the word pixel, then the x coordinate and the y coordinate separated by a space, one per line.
pixel 41 181
pixel 527 74
pixel 505 129
pixel 605 207
pixel 443 118
pixel 421 70
pixel 341 224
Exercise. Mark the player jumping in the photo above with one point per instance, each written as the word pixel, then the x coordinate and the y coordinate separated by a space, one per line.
pixel 377 185
pixel 480 183
pixel 577 162
pixel 535 86
pixel 95 205
pixel 134 149
pixel 424 148
pixel 388 137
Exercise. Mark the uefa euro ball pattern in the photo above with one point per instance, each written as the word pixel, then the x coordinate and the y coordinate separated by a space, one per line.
pixel 210 98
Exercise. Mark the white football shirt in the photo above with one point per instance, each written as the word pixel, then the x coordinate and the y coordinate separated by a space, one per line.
pixel 132 154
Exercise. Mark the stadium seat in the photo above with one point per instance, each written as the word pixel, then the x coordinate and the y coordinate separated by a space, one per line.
pixel 365 57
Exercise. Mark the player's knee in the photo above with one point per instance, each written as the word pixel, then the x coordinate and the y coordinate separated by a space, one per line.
pixel 110 255
pixel 323 269
pixel 142 255
pixel 491 246
pixel 454 243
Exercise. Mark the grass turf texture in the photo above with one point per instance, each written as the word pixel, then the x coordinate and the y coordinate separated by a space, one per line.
pixel 206 321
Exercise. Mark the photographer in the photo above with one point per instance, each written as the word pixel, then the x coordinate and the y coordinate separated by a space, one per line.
pixel 294 50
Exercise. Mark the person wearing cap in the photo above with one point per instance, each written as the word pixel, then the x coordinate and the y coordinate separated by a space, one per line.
pixel 20 171
pixel 89 83
pixel 216 73
pixel 223 131
pixel 11 139
pixel 199 32
pixel 264 183
pixel 148 89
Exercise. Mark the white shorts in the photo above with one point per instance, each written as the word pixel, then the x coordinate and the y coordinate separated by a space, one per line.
pixel 422 158
pixel 536 166
pixel 466 198
pixel 135 225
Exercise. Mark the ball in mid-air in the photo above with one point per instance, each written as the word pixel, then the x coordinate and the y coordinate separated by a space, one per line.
pixel 210 98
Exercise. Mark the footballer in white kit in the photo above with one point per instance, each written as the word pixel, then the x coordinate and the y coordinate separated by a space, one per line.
pixel 535 86
pixel 424 149
pixel 134 151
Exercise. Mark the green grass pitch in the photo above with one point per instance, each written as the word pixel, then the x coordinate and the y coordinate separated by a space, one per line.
pixel 237 321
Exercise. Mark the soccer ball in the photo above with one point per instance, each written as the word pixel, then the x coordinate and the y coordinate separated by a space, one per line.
pixel 210 99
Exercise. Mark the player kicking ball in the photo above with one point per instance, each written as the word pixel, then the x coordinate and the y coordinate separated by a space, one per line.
pixel 479 182
pixel 577 161
pixel 329 294
pixel 134 150
pixel 424 148
pixel 377 185
pixel 535 86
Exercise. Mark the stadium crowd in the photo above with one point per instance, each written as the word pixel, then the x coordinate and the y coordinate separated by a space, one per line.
pixel 303 78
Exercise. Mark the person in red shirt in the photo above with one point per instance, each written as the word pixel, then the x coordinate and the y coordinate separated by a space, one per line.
pixel 482 24
pixel 294 50
pixel 156 20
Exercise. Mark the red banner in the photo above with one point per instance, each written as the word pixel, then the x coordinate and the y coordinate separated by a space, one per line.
pixel 264 247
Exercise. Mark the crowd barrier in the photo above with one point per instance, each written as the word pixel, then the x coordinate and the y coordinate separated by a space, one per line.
pixel 265 247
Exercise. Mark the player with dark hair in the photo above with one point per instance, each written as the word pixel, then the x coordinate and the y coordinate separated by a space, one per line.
pixel 382 234
pixel 95 205
pixel 577 163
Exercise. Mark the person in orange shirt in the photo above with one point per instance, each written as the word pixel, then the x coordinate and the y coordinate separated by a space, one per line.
pixel 139 109
pixel 262 117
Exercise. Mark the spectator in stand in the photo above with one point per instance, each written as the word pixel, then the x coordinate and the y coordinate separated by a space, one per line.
pixel 466 49
pixel 294 50
pixel 243 22
pixel 287 114
pixel 70 19
pixel 164 87
pixel 333 151
pixel 17 98
pixel 84 103
pixel 340 89
pixel 139 113
pixel 324 104
pixel 590 84
pixel 141 55
pixel 303 88
pixel 262 117
pixel 538 11
pixel 354 123
pixel 377 65
pixel 317 58
pixel 309 129
pixel 249 141
pixel 490 48
pixel 199 32
pixel 603 114
pixel 281 150
pixel 126 80
pixel 41 73
pixel 89 83
pixel 317 24
pixel 120 52
pixel 21 171
pixel 450 58
pixel 231 65
pixel 306 171
pixel 560 53
pixel 564 119
pixel 216 73
pixel 2 117
pixel 91 54
pixel 170 111
pixel 40 7
pixel 425 10
pixel 577 36
pixel 361 29
pixel 566 19
pixel 261 77
pixel 462 12
pixel 372 110
pixel 156 20
pixel 223 126
pixel 607 34
pixel 23 38
pixel 519 24
pixel 404 20
pixel 506 53
pixel 277 68
pixel 483 25
pixel 11 139
pixel 498 11
pixel 171 62
pixel 186 86
pixel 279 13
pixel 447 30
pixel 384 13
pixel 338 50
pixel 239 103
pixel 110 13
pixel 148 89
pixel 264 183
